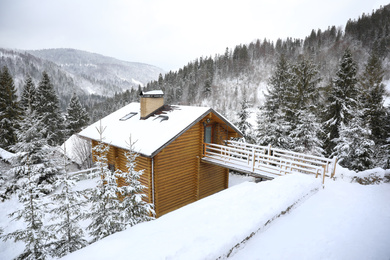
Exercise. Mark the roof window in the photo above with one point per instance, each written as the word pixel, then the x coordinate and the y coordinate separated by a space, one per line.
pixel 128 116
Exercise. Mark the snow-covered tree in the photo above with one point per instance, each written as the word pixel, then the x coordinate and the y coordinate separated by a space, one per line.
pixel 273 126
pixel 47 108
pixel 243 115
pixel 134 209
pixel 27 99
pixel 372 98
pixel 76 116
pixel 354 147
pixel 32 147
pixel 342 100
pixel 34 235
pixel 66 214
pixel 306 134
pixel 10 111
pixel 105 212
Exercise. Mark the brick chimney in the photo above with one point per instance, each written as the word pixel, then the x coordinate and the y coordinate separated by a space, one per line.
pixel 151 101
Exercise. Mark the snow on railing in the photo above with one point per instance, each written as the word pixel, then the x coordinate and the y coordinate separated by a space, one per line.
pixel 270 160
pixel 85 174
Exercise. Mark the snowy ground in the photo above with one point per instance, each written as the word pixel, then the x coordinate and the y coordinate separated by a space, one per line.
pixel 343 221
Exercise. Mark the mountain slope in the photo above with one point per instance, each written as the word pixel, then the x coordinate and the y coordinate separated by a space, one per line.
pixel 99 68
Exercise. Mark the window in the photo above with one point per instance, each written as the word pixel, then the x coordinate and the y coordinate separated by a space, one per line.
pixel 111 167
pixel 208 134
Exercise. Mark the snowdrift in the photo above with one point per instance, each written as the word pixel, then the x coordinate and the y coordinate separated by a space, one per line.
pixel 207 229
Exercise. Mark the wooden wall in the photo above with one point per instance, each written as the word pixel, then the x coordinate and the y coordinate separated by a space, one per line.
pixel 180 177
pixel 176 171
pixel 116 156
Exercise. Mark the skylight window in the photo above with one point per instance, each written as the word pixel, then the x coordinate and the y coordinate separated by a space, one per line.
pixel 163 118
pixel 128 116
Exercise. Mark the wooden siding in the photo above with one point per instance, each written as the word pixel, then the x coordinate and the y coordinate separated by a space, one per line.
pixel 176 172
pixel 180 177
pixel 116 156
pixel 212 178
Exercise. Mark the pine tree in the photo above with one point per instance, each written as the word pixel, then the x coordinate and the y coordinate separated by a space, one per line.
pixel 34 235
pixel 134 209
pixel 67 213
pixel 342 100
pixel 10 111
pixel 105 213
pixel 243 116
pixel 32 147
pixel 272 119
pixel 302 102
pixel 27 99
pixel 76 116
pixel 47 107
pixel 372 99
pixel 354 147
pixel 306 134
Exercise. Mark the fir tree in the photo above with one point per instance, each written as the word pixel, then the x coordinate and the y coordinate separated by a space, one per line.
pixel 134 209
pixel 372 99
pixel 76 116
pixel 32 147
pixel 105 213
pixel 306 134
pixel 67 213
pixel 243 116
pixel 272 119
pixel 10 111
pixel 47 107
pixel 342 100
pixel 27 99
pixel 35 236
pixel 354 147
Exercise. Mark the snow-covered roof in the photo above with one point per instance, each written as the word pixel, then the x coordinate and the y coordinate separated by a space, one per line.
pixel 152 134
pixel 153 92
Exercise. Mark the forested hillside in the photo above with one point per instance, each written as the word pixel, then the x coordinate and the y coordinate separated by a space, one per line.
pixel 92 76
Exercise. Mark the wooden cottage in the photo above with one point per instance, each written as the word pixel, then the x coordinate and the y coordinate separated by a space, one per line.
pixel 170 142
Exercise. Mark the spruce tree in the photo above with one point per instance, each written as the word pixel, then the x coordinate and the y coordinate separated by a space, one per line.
pixel 27 99
pixel 76 116
pixel 47 107
pixel 372 99
pixel 243 116
pixel 272 119
pixel 32 147
pixel 34 235
pixel 342 100
pixel 134 209
pixel 302 103
pixel 10 111
pixel 354 148
pixel 105 213
pixel 67 214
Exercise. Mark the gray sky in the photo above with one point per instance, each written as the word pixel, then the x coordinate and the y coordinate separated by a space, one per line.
pixel 166 33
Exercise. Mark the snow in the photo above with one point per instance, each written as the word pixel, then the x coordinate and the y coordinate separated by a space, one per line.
pixel 150 134
pixel 344 220
pixel 5 154
pixel 208 228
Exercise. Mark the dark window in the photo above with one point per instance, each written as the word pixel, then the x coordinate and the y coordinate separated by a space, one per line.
pixel 111 167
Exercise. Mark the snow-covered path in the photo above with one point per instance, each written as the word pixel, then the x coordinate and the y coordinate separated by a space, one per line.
pixel 343 221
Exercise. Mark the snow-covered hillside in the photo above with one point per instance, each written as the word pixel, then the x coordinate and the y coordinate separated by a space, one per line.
pixel 344 220
pixel 77 71
pixel 96 67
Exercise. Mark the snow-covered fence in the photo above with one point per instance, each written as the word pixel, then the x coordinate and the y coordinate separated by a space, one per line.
pixel 266 159
pixel 85 174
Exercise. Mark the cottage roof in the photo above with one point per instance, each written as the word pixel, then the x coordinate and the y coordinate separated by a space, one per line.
pixel 152 134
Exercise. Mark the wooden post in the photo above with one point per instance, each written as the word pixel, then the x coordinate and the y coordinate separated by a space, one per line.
pixel 334 167
pixel 253 158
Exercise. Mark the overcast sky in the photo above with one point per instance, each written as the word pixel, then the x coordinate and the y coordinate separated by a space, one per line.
pixel 166 33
